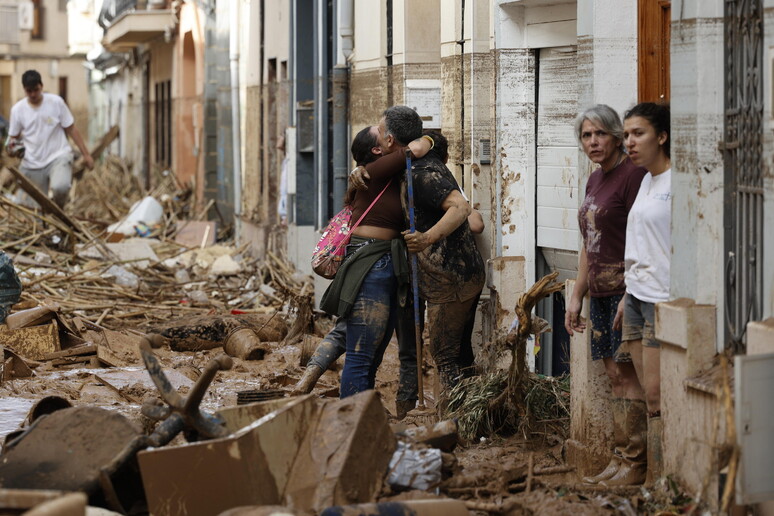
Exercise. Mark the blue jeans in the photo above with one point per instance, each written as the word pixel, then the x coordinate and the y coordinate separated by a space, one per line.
pixel 369 327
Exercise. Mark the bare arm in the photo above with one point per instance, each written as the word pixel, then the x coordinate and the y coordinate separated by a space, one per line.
pixel 75 134
pixel 456 210
pixel 572 319
pixel 476 222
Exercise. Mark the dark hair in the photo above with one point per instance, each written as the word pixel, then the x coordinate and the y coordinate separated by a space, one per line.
pixel 30 79
pixel 403 123
pixel 361 147
pixel 441 147
pixel 657 116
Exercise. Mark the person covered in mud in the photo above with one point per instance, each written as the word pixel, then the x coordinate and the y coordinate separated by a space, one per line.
pixel 610 194
pixel 647 257
pixel 366 288
pixel 451 268
pixel 333 344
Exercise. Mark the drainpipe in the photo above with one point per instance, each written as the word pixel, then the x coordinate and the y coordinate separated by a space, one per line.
pixel 236 140
pixel 340 87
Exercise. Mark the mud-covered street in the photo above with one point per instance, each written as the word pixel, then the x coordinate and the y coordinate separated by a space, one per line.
pixel 92 305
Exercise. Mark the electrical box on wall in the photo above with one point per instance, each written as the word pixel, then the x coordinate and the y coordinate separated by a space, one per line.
pixel 754 419
pixel 26 20
pixel 424 97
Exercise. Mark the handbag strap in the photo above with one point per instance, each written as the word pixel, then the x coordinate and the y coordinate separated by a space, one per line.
pixel 369 208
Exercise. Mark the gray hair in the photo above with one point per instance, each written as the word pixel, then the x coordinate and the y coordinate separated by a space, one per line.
pixel 605 117
pixel 403 123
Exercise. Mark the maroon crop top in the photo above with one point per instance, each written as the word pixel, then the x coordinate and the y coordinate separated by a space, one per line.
pixel 387 212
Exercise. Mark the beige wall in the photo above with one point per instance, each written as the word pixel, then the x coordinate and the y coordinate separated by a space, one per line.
pixel 370 35
pixel 188 94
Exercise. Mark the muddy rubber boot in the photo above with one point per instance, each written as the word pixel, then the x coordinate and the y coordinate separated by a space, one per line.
pixel 307 381
pixel 634 464
pixel 402 407
pixel 619 442
pixel 654 449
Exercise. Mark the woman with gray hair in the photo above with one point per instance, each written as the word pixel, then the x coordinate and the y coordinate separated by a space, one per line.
pixel 610 193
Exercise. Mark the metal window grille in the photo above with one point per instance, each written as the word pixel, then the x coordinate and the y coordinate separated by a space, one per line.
pixel 163 122
pixel 743 210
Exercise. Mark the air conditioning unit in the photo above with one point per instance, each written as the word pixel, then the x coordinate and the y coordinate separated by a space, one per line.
pixel 26 15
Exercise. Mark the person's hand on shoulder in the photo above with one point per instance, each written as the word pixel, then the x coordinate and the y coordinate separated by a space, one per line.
pixel 358 178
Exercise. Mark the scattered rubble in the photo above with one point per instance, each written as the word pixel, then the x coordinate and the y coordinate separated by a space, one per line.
pixel 116 337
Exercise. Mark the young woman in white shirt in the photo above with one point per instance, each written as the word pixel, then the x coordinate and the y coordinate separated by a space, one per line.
pixel 647 260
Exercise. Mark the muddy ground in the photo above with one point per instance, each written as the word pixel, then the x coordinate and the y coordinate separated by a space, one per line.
pixel 485 470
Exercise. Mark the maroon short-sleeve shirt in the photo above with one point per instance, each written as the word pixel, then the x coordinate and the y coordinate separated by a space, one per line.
pixel 602 221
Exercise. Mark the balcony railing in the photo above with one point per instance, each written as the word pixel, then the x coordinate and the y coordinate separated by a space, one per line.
pixel 112 9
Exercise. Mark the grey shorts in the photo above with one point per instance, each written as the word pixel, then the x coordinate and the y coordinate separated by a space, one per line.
pixel 639 321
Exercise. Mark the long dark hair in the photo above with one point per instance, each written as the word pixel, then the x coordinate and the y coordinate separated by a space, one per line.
pixel 361 147
pixel 658 116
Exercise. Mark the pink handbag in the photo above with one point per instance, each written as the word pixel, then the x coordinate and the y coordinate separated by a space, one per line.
pixel 330 250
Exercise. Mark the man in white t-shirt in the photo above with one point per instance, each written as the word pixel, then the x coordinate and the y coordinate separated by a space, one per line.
pixel 41 123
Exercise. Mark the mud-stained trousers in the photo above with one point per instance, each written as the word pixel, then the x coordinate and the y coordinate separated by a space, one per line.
pixel 369 327
pixel 446 330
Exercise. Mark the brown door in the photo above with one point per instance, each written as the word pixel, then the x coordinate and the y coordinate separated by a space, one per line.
pixel 653 24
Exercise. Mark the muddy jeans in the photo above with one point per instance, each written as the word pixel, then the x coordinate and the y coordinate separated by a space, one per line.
pixel 369 327
pixel 447 323
pixel 334 345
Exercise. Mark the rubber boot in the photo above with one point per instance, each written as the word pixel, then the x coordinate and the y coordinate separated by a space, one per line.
pixel 307 381
pixel 619 442
pixel 654 449
pixel 634 464
pixel 402 407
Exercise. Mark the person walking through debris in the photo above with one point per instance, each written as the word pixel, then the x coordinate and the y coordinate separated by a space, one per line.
pixel 610 194
pixel 374 275
pixel 41 123
pixel 333 344
pixel 648 249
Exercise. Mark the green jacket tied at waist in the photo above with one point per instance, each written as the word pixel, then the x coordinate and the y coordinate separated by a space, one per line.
pixel 341 293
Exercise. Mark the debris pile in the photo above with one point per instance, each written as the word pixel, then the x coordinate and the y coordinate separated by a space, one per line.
pixel 117 281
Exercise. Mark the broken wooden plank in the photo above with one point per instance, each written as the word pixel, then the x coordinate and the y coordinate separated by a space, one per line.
pixel 108 357
pixel 33 342
pixel 46 204
pixel 71 360
pixel 96 151
pixel 87 349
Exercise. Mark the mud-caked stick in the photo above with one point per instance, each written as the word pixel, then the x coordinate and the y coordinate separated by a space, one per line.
pixel 415 285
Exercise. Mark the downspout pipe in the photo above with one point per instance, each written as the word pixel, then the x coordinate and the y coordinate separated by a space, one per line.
pixel 236 125
pixel 340 94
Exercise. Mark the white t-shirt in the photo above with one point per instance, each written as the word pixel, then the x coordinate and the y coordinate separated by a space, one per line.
pixel 648 240
pixel 42 129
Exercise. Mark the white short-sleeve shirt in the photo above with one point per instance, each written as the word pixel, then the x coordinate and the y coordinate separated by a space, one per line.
pixel 42 129
pixel 648 240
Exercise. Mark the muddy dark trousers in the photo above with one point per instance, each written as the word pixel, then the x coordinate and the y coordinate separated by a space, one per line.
pixel 369 327
pixel 446 327
pixel 407 350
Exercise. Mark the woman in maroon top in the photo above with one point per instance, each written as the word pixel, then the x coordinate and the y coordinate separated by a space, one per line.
pixel 610 193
